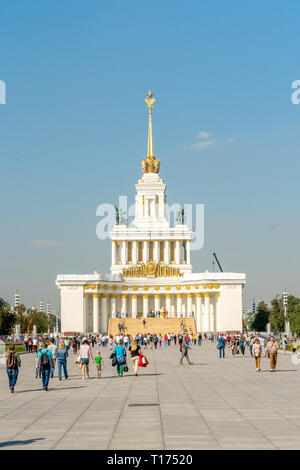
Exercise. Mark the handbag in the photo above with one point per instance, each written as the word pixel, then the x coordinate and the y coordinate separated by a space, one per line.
pixel 125 368
pixel 114 361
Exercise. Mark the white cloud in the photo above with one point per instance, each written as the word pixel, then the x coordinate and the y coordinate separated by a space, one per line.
pixel 203 135
pixel 202 144
pixel 47 243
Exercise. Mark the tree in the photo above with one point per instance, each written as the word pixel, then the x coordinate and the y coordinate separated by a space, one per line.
pixel 293 313
pixel 249 320
pixel 261 317
pixel 7 318
pixel 40 319
pixel 22 318
pixel 277 315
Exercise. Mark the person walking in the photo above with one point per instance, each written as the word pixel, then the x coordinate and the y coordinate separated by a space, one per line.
pixel 284 343
pixel 74 345
pixel 256 351
pixel 294 344
pixel 135 351
pixel 159 340
pixel 251 342
pixel 165 340
pixel 53 348
pixel 45 360
pixel 199 339
pixel 85 355
pixel 120 353
pixel 180 340
pixel 25 341
pixel 242 345
pixel 185 351
pixel 155 340
pixel 271 349
pixel 99 362
pixel 61 356
pixel 221 346
pixel 13 363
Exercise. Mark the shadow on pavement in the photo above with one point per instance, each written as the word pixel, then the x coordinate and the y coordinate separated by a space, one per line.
pixel 20 443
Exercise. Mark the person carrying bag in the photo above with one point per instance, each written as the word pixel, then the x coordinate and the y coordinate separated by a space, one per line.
pixel 13 362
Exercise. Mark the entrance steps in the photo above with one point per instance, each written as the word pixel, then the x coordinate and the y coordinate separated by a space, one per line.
pixel 134 326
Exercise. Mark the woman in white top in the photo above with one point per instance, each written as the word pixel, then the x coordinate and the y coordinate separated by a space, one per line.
pixel 84 355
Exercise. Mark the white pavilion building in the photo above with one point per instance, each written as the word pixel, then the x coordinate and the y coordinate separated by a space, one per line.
pixel 151 271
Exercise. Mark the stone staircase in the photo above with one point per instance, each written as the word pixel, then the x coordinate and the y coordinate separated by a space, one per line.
pixel 162 326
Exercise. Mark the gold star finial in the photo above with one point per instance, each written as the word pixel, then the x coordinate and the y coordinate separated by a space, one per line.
pixel 150 100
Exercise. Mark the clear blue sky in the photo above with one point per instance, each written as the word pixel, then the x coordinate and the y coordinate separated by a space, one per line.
pixel 74 130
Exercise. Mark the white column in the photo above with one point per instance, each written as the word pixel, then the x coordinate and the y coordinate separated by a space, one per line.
pixel 179 305
pixel 161 206
pixel 189 305
pixel 198 312
pixel 183 306
pixel 156 302
pixel 123 305
pixel 104 312
pixel 134 305
pixel 213 304
pixel 156 253
pixel 84 322
pixel 134 252
pixel 188 251
pixel 177 252
pixel 206 312
pixel 168 304
pixel 167 251
pixel 123 252
pixel 145 305
pixel 113 252
pixel 218 312
pixel 113 305
pixel 145 251
pixel 95 313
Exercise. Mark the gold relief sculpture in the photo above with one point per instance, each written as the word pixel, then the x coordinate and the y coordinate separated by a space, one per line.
pixel 151 269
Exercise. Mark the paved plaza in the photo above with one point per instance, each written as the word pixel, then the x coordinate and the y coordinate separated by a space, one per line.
pixel 212 404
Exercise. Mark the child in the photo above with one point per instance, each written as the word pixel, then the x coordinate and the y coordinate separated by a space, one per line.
pixel 99 361
pixel 38 372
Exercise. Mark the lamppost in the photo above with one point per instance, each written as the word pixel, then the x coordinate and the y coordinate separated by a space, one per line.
pixel 286 323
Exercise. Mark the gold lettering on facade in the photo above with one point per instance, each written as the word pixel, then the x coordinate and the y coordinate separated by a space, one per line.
pixel 151 269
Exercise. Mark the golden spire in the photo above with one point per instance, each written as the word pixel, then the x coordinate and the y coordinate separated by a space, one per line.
pixel 150 102
pixel 150 165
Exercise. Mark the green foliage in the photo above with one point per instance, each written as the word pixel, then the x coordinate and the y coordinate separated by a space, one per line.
pixel 7 318
pixel 277 315
pixel 40 319
pixel 293 313
pixel 22 318
pixel 261 317
pixel 248 321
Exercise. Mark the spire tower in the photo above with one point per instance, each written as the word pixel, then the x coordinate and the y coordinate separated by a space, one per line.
pixel 150 164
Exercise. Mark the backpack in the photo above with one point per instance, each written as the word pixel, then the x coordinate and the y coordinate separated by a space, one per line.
pixel 11 361
pixel 45 363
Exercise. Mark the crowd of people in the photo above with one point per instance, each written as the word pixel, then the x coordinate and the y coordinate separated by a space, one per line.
pixel 52 351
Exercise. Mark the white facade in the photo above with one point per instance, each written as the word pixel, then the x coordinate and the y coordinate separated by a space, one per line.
pixel 151 271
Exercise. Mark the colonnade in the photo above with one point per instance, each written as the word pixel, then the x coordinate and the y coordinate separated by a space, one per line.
pixel 204 307
pixel 126 252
